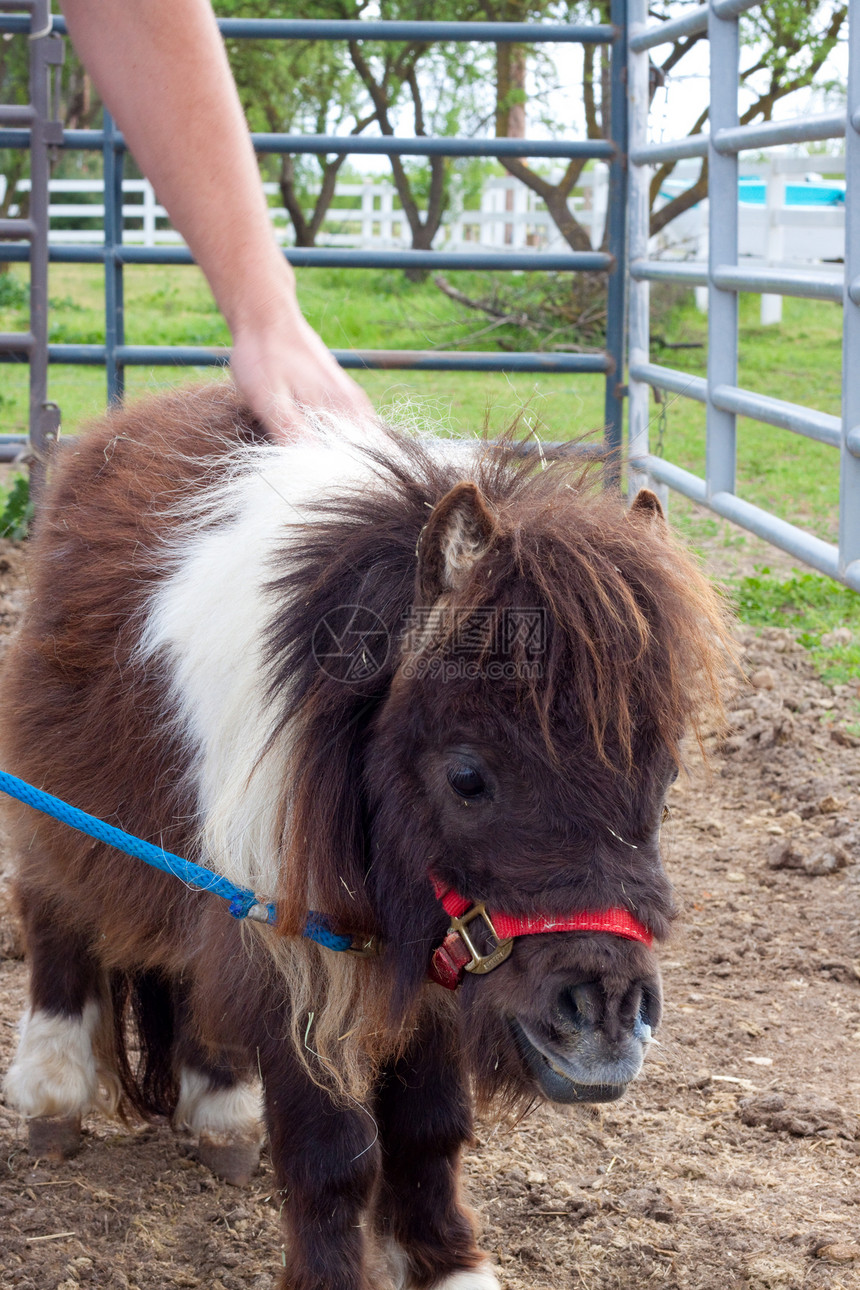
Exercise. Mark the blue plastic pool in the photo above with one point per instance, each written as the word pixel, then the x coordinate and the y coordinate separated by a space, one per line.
pixel 753 192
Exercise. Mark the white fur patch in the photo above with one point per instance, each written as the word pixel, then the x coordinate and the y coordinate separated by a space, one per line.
pixel 227 1113
pixel 395 1255
pixel 55 1071
pixel 480 1278
pixel 207 621
pixel 209 617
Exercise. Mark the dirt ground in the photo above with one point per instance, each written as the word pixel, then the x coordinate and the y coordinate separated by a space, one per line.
pixel 733 1162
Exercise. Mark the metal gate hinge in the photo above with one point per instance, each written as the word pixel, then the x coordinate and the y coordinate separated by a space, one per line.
pixel 49 423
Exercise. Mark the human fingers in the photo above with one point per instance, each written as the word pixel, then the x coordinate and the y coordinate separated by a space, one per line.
pixel 286 377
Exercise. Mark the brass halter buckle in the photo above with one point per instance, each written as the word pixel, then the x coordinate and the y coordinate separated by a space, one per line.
pixel 481 963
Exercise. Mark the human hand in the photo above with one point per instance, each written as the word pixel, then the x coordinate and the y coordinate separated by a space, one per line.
pixel 283 370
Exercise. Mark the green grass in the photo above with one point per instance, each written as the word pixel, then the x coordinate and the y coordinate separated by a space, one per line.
pixel 799 360
pixel 13 292
pixel 813 605
pixel 366 309
pixel 16 509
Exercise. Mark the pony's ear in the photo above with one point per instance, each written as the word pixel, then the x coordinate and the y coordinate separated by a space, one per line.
pixel 456 535
pixel 647 504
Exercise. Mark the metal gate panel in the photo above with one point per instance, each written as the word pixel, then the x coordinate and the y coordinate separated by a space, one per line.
pixel 725 278
pixel 115 354
pixel 42 131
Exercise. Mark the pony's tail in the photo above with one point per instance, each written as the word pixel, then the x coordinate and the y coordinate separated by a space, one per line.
pixel 144 1026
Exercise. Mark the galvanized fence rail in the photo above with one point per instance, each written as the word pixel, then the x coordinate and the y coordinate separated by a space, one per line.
pixel 725 278
pixel 116 354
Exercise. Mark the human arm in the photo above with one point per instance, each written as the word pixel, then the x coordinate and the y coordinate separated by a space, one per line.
pixel 161 69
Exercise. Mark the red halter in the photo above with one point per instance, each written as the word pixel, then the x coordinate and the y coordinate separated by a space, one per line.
pixel 458 953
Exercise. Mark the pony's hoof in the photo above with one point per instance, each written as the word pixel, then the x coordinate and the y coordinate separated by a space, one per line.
pixel 54 1137
pixel 233 1159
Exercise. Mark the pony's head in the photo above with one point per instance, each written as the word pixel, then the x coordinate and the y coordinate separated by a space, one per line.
pixel 557 651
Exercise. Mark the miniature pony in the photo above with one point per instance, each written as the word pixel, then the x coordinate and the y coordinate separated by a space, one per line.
pixel 419 690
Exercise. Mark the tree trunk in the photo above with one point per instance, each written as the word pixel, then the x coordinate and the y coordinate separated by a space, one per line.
pixel 510 106
pixel 555 196
pixel 510 91
pixel 423 231
pixel 290 198
pixel 511 124
pixel 305 229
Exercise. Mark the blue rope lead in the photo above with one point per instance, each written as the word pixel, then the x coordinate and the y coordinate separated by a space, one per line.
pixel 318 929
pixel 241 902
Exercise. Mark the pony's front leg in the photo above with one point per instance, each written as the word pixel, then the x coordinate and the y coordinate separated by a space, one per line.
pixel 425 1117
pixel 326 1161
pixel 60 1072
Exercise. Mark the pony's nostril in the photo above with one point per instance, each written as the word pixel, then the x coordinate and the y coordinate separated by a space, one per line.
pixel 633 1007
pixel 651 1007
pixel 647 1017
pixel 581 1004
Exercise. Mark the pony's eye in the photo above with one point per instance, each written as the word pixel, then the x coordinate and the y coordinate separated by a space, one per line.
pixel 466 781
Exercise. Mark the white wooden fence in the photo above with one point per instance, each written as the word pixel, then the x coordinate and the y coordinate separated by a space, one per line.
pixel 773 233
pixel 368 215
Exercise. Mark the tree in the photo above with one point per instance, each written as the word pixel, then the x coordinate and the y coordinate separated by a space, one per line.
pixel 325 87
pixel 298 87
pixel 444 86
pixel 511 113
pixel 787 45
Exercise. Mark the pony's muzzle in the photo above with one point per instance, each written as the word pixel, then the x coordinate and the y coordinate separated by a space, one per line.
pixel 593 1044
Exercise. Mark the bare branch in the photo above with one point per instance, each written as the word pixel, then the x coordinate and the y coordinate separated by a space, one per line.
pixel 663 172
pixel 679 50
pixel 467 301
